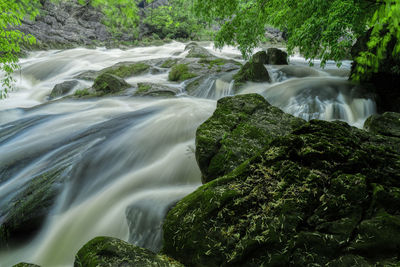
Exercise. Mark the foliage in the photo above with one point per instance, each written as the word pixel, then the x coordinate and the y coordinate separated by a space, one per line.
pixel 318 28
pixel 175 20
pixel 120 15
pixel 12 12
pixel 180 72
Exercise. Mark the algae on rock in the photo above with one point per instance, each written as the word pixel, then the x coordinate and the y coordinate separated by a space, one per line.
pixel 108 251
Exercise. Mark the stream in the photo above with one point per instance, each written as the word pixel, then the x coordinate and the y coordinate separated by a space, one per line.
pixel 126 160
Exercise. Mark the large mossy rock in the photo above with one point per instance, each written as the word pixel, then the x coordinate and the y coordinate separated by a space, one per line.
pixel 180 72
pixel 387 124
pixel 109 84
pixel 325 194
pixel 127 69
pixel 276 56
pixel 238 129
pixel 24 264
pixel 108 251
pixel 253 72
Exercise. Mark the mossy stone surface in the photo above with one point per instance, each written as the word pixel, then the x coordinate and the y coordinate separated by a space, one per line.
pixel 260 57
pixel 108 84
pixel 324 194
pixel 23 216
pixel 155 90
pixel 276 56
pixel 197 51
pixel 63 88
pixel 239 128
pixel 108 251
pixel 253 72
pixel 180 72
pixel 387 124
pixel 125 69
pixel 24 264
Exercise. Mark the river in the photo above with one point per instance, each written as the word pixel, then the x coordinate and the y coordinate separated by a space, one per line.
pixel 125 159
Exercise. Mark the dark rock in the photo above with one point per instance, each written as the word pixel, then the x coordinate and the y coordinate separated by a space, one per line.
pixel 24 264
pixel 260 57
pixel 108 84
pixel 109 251
pixel 238 129
pixel 89 75
pixel 24 214
pixel 254 72
pixel 387 124
pixel 324 194
pixel 197 51
pixel 158 90
pixel 276 56
pixel 63 89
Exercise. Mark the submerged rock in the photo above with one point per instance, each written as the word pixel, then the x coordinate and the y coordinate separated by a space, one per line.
pixel 108 84
pixel 238 129
pixel 22 216
pixel 153 89
pixel 63 89
pixel 387 124
pixel 276 56
pixel 109 251
pixel 324 194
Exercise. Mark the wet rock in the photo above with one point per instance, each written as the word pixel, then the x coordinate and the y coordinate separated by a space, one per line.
pixel 238 129
pixel 387 124
pixel 24 214
pixel 108 84
pixel 126 69
pixel 197 51
pixel 63 89
pixel 260 57
pixel 24 264
pixel 276 56
pixel 155 90
pixel 88 75
pixel 253 72
pixel 180 72
pixel 109 251
pixel 323 194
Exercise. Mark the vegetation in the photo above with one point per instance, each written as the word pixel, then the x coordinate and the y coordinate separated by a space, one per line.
pixel 180 72
pixel 12 13
pixel 322 29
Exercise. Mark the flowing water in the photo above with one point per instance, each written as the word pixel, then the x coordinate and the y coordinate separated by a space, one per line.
pixel 125 160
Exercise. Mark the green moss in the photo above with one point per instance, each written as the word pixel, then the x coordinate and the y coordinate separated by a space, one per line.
pixel 108 84
pixel 142 87
pixel 321 194
pixel 81 93
pixel 125 70
pixel 107 251
pixel 252 71
pixel 169 63
pixel 180 72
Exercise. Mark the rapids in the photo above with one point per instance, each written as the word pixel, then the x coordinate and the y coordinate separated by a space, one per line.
pixel 127 159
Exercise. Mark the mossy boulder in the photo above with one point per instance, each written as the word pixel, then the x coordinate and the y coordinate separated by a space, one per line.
pixel 22 216
pixel 109 84
pixel 197 51
pixel 126 69
pixel 260 57
pixel 276 56
pixel 325 194
pixel 155 90
pixel 108 251
pixel 24 264
pixel 63 88
pixel 387 124
pixel 239 128
pixel 180 72
pixel 253 72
